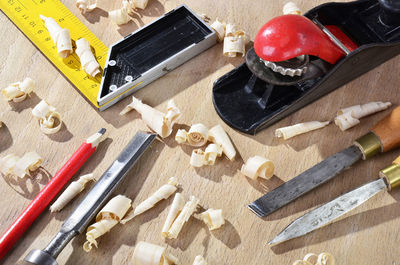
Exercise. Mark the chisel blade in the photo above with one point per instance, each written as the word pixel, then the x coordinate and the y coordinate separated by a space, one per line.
pixel 330 211
pixel 306 181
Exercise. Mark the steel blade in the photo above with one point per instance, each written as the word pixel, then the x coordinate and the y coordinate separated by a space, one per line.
pixel 306 181
pixel 330 211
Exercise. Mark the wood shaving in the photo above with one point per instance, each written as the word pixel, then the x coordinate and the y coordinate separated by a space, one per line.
pixel 197 159
pixel 311 258
pixel 213 218
pixel 88 61
pixel 19 167
pixel 150 254
pixel 300 128
pixel 106 219
pixel 121 16
pixel 183 217
pixel 230 30
pixel 140 3
pixel 177 205
pixel 27 163
pixel 18 91
pixel 70 192
pixel 211 153
pixel 219 27
pixel 197 135
pixel 86 5
pixel 49 120
pixel 156 120
pixel 181 136
pixel 234 45
pixel 218 136
pixel 7 164
pixel 61 37
pixel 258 166
pixel 291 8
pixel 326 259
pixel 164 192
pixel 199 260
pixel 349 117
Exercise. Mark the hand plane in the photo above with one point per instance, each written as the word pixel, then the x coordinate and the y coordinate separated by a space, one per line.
pixel 297 59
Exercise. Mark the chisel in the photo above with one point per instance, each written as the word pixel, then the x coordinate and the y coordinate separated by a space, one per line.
pixel 383 137
pixel 94 200
pixel 325 214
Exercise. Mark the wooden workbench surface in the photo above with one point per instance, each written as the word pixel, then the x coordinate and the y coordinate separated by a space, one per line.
pixel 366 236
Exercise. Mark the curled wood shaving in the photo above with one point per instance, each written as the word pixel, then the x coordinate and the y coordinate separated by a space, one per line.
pixel 199 260
pixel 49 120
pixel 19 167
pixel 7 164
pixel 121 16
pixel 197 135
pixel 197 159
pixel 88 61
pixel 150 254
pixel 106 219
pixel 164 192
pixel 234 46
pixel 219 27
pixel 211 153
pixel 60 36
pixel 18 91
pixel 200 158
pixel 181 136
pixel 311 258
pixel 300 128
pixel 28 162
pixel 70 192
pixel 326 259
pixel 140 3
pixel 230 30
pixel 258 166
pixel 213 218
pixel 291 8
pixel 183 217
pixel 349 117
pixel 177 205
pixel 86 5
pixel 157 121
pixel 218 136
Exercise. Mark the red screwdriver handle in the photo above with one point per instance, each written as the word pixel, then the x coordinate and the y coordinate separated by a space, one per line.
pixel 43 199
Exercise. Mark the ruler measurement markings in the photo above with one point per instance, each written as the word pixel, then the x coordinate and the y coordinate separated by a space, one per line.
pixel 35 30
pixel 21 4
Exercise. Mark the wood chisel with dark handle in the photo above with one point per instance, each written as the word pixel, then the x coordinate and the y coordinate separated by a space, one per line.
pixel 327 213
pixel 383 137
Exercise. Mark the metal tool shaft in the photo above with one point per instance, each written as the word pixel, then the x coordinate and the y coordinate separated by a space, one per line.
pixel 330 211
pixel 95 199
pixel 306 181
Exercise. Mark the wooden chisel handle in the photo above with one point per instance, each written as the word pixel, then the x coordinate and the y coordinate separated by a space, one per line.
pixel 388 130
pixel 384 136
pixel 391 174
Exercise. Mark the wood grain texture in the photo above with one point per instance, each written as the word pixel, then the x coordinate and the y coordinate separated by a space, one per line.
pixel 388 130
pixel 368 235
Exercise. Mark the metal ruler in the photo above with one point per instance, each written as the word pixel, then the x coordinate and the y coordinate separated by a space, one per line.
pixel 25 15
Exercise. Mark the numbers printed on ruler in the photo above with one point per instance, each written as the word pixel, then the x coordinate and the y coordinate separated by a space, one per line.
pixel 25 14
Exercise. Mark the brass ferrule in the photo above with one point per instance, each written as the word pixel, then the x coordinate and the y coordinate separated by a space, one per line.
pixel 391 174
pixel 369 144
